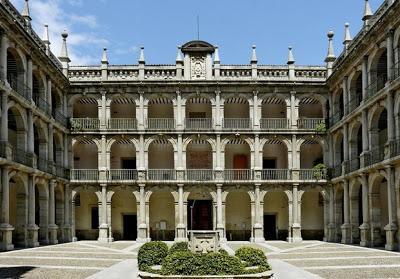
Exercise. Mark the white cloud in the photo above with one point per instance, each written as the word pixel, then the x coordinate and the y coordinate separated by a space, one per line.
pixel 58 19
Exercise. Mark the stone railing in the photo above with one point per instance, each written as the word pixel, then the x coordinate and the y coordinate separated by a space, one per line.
pixel 275 123
pixel 235 72
pixel 276 174
pixel 126 124
pixel 84 175
pixel 237 123
pixel 85 124
pixel 161 174
pixel 122 175
pixel 313 174
pixel 122 73
pixel 238 174
pixel 200 174
pixel 198 124
pixel 85 73
pixel 161 123
pixel 376 84
pixel 20 87
pixel 161 72
pixel 317 124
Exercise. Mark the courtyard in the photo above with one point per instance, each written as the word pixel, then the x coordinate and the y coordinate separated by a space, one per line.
pixel 309 259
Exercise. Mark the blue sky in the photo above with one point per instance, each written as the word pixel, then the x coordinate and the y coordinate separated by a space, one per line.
pixel 160 25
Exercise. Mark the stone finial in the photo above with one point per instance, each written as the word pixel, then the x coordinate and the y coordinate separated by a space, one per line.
pixel 104 58
pixel 64 49
pixel 216 56
pixel 179 56
pixel 254 54
pixel 26 11
pixel 290 56
pixel 141 56
pixel 367 13
pixel 331 53
pixel 347 35
pixel 46 39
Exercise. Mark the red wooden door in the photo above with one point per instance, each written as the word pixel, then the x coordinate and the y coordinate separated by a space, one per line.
pixel 240 162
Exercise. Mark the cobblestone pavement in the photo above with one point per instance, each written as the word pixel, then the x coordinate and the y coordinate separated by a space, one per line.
pixel 331 260
pixel 70 260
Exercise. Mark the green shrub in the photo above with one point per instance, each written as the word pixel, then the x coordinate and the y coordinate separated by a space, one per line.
pixel 178 247
pixel 221 264
pixel 151 253
pixel 181 263
pixel 253 257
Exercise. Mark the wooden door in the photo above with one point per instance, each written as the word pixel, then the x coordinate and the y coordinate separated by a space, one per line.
pixel 240 162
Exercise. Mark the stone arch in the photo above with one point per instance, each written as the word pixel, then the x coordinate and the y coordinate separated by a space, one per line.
pixel 200 153
pixel 236 106
pixel 161 147
pixel 378 126
pixel 16 69
pixel 274 106
pixel 311 152
pixel 313 213
pixel 162 215
pixel 276 213
pixel 378 75
pixel 124 213
pixel 356 89
pixel 238 210
pixel 275 149
pixel 18 208
pixel 187 97
pixel 42 210
pixel 123 106
pixel 85 106
pixel 198 199
pixel 41 139
pixel 355 144
pixel 312 106
pixel 17 127
pixel 58 148
pixel 38 87
pixel 356 209
pixel 122 152
pixel 88 150
pixel 339 210
pixel 59 208
pixel 238 153
pixel 338 148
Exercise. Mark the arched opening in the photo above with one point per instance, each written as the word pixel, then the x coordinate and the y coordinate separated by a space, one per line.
pixel 85 114
pixel 86 215
pixel 161 164
pixel 124 215
pixel 356 91
pixel 339 211
pixel 162 216
pixel 378 73
pixel 274 114
pixel 311 114
pixel 311 160
pixel 16 72
pixel 58 149
pixel 198 114
pixel 38 92
pixel 59 209
pixel 123 160
pixel 236 114
pixel 379 211
pixel 200 211
pixel 41 212
pixel 312 215
pixel 237 160
pixel 379 135
pixel 238 216
pixel 276 215
pixel 338 154
pixel 275 160
pixel 356 147
pixel 199 160
pixel 56 102
pixel 16 131
pixel 85 160
pixel 40 147
pixel 160 114
pixel 356 212
pixel 338 106
pixel 122 114
pixel 18 211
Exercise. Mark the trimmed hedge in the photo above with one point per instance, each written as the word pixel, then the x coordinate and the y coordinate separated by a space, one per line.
pixel 178 247
pixel 188 263
pixel 253 257
pixel 150 254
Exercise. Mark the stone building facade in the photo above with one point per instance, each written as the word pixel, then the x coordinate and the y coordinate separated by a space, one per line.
pixel 150 152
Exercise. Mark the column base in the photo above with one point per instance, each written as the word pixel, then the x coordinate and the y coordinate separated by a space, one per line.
pixel 53 232
pixel 346 234
pixel 6 237
pixel 365 235
pixel 103 233
pixel 181 233
pixel 142 234
pixel 331 231
pixel 32 240
pixel 391 244
pixel 66 229
pixel 295 234
pixel 258 234
pixel 74 239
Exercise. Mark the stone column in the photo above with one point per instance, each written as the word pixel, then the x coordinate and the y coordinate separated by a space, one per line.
pixel 391 228
pixel 258 232
pixel 4 118
pixel 29 75
pixel 346 94
pixel 332 224
pixel 65 156
pixel 390 116
pixel 49 97
pixel 50 152
pixel 180 228
pixel 390 54
pixel 53 228
pixel 220 215
pixel 256 117
pixel 365 227
pixel 103 229
pixel 345 148
pixel 5 227
pixel 365 77
pixel 73 231
pixel 296 226
pixel 32 227
pixel 293 110
pixel 31 138
pixel 67 211
pixel 219 111
pixel 3 56
pixel 142 231
pixel 102 111
pixel 365 138
pixel 346 227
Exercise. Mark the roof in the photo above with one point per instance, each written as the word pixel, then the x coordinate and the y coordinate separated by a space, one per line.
pixel 198 46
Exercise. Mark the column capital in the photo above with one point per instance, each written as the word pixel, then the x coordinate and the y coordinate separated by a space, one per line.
pixel 103 185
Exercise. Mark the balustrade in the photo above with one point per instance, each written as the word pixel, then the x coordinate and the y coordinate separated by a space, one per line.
pixel 198 124
pixel 85 174
pixel 237 123
pixel 311 124
pixel 161 124
pixel 85 124
pixel 126 124
pixel 161 174
pixel 199 175
pixel 238 174
pixel 276 174
pixel 313 174
pixel 122 175
pixel 275 123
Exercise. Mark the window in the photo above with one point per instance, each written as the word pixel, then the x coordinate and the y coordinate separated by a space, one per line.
pixel 95 218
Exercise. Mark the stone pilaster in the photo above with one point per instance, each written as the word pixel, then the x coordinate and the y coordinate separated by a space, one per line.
pixel 346 227
pixel 32 227
pixel 365 228
pixel 5 228
pixel 181 228
pixel 391 227
pixel 142 230
pixel 103 229
pixel 258 233
pixel 53 228
pixel 296 226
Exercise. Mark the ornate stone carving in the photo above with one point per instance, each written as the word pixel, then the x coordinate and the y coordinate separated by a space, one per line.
pixel 198 67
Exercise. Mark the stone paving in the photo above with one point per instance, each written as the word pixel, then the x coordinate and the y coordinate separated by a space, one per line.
pixel 71 260
pixel 309 259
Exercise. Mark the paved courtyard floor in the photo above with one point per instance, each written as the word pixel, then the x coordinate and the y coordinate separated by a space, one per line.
pixel 310 259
